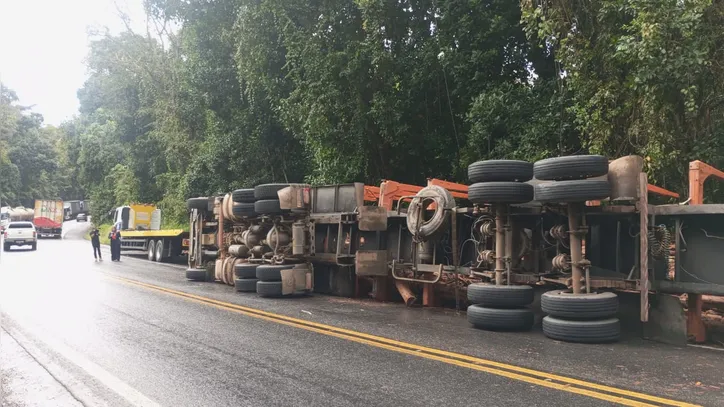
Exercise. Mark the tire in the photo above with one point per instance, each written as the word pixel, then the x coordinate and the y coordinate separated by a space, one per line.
pixel 245 270
pixel 435 224
pixel 159 250
pixel 244 195
pixel 269 288
pixel 572 191
pixel 267 207
pixel 268 191
pixel 196 274
pixel 245 285
pixel 34 247
pixel 197 203
pixel 500 170
pixel 563 304
pixel 570 167
pixel 500 192
pixel 243 210
pixel 596 331
pixel 500 296
pixel 512 319
pixel 151 250
pixel 6 247
pixel 267 272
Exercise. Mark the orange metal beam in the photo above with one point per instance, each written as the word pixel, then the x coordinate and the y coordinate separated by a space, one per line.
pixel 653 189
pixel 457 190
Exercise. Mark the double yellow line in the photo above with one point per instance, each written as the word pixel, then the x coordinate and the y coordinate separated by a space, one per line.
pixel 539 378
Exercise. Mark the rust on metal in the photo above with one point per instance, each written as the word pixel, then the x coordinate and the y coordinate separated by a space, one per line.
pixel 407 295
pixel 372 218
pixel 371 263
pixel 499 244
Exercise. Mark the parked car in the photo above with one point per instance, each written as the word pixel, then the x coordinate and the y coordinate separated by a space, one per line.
pixel 82 217
pixel 20 234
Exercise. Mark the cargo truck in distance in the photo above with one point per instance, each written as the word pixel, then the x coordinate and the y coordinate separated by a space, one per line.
pixel 140 227
pixel 48 219
pixel 71 209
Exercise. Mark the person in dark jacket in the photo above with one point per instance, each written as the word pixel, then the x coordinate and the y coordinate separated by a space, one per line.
pixel 95 235
pixel 115 237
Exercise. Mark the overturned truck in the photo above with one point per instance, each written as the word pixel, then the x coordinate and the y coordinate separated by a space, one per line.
pixel 577 229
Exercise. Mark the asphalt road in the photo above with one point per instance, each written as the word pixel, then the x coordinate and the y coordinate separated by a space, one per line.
pixel 137 333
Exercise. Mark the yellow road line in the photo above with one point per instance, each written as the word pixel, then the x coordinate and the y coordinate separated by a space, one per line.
pixel 545 379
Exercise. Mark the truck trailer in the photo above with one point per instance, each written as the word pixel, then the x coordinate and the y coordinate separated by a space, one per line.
pixel 573 231
pixel 48 218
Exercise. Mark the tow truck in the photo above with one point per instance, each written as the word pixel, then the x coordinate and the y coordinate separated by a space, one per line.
pixel 140 226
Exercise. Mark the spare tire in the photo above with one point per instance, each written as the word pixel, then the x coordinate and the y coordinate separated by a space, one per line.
pixel 570 167
pixel 201 203
pixel 244 195
pixel 416 220
pixel 268 191
pixel 500 192
pixel 500 170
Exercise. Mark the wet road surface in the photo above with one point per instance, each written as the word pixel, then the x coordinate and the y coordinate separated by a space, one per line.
pixel 137 333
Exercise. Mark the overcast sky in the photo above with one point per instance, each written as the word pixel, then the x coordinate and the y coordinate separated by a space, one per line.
pixel 43 44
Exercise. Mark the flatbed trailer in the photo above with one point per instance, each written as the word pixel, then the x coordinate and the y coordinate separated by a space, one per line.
pixel 139 225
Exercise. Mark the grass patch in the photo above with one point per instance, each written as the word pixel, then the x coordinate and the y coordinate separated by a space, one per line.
pixel 104 229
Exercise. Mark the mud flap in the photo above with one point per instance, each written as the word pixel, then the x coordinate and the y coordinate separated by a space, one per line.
pixel 296 280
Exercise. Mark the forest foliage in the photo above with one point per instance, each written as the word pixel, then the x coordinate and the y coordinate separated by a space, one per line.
pixel 243 92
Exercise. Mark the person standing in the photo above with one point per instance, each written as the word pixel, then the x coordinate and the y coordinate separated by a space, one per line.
pixel 115 237
pixel 95 235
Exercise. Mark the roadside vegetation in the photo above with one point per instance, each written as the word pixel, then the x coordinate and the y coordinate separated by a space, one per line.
pixel 245 92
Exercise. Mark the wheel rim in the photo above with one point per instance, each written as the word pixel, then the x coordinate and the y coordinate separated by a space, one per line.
pixel 151 250
pixel 159 250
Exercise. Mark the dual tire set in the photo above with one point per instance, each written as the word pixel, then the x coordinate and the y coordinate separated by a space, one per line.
pixel 584 318
pixel 260 200
pixel 264 279
pixel 505 181
pixel 500 307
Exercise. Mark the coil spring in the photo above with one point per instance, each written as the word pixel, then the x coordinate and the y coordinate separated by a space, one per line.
pixel 659 241
pixel 487 228
pixel 487 257
pixel 559 232
pixel 561 262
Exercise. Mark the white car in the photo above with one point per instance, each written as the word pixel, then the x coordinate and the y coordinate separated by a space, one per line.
pixel 20 234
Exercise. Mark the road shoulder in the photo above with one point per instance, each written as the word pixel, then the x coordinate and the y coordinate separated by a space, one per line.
pixel 25 382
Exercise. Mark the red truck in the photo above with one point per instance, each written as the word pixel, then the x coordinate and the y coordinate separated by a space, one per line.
pixel 48 219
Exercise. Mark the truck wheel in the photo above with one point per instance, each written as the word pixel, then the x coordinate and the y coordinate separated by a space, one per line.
pixel 151 250
pixel 500 192
pixel 268 191
pixel 500 296
pixel 500 170
pixel 243 210
pixel 268 272
pixel 196 274
pixel 570 167
pixel 245 270
pixel 269 288
pixel 34 247
pixel 201 203
pixel 267 207
pixel 596 331
pixel 572 191
pixel 244 195
pixel 564 304
pixel 245 285
pixel 513 319
pixel 159 250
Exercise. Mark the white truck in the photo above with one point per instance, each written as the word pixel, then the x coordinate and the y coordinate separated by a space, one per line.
pixel 20 233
